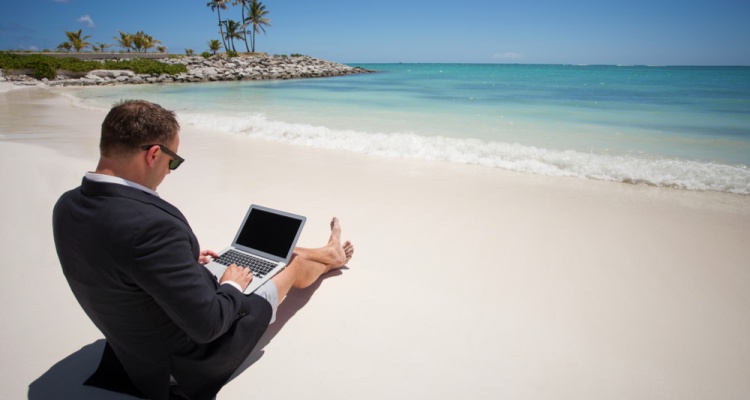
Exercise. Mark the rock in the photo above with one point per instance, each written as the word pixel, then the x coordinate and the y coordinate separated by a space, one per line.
pixel 92 77
pixel 211 69
pixel 102 73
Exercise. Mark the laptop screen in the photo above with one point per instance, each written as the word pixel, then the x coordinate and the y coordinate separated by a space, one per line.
pixel 269 232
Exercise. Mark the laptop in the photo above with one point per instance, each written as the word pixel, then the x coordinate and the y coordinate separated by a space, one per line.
pixel 264 243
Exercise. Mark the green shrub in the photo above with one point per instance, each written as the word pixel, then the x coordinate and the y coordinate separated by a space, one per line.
pixel 46 66
pixel 205 54
pixel 16 61
pixel 76 65
pixel 146 66
pixel 232 53
pixel 44 69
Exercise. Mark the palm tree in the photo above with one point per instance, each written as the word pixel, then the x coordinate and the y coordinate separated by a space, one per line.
pixel 233 32
pixel 76 41
pixel 244 4
pixel 101 47
pixel 219 5
pixel 214 45
pixel 125 41
pixel 257 17
pixel 64 46
pixel 142 42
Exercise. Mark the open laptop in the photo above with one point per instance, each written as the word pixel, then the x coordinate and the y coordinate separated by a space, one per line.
pixel 264 243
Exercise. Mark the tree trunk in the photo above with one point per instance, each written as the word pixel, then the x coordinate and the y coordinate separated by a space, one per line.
pixel 244 28
pixel 221 30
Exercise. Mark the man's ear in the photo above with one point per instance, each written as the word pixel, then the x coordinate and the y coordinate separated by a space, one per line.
pixel 151 155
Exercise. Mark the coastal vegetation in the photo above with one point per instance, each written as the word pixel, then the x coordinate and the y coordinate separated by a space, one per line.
pixel 218 5
pixel 233 32
pixel 139 41
pixel 75 41
pixel 252 12
pixel 214 45
pixel 44 66
pixel 257 17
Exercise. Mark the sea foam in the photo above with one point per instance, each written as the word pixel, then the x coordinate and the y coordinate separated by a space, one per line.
pixel 636 169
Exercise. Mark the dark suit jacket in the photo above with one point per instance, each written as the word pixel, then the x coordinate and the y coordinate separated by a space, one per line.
pixel 131 261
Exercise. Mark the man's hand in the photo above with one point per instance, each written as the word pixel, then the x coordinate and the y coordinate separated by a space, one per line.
pixel 205 254
pixel 240 275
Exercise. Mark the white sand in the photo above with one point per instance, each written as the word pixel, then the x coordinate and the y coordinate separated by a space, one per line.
pixel 468 282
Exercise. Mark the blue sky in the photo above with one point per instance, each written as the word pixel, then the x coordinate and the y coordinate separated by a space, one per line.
pixel 667 32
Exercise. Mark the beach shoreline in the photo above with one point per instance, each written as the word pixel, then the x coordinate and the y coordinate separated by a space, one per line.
pixel 467 281
pixel 628 130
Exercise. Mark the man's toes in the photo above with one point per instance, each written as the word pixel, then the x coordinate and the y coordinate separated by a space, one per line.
pixel 348 249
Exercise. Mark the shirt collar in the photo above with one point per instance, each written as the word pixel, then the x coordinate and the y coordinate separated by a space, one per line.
pixel 93 176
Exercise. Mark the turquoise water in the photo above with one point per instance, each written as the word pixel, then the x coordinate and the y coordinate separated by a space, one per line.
pixel 685 127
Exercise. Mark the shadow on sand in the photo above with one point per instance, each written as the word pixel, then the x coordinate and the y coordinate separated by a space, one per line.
pixel 294 301
pixel 64 381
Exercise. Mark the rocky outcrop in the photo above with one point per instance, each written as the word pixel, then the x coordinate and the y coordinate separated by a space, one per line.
pixel 205 70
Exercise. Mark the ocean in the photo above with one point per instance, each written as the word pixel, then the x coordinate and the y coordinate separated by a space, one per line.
pixel 681 127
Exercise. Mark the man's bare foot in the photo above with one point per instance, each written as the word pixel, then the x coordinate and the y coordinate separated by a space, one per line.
pixel 339 255
pixel 333 255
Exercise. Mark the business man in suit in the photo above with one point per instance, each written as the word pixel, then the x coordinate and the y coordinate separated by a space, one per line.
pixel 135 268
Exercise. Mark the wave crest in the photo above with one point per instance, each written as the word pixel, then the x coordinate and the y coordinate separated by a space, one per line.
pixel 667 172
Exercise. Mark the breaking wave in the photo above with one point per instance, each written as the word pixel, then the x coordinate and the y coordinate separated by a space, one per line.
pixel 635 169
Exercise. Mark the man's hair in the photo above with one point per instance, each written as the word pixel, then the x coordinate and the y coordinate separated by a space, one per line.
pixel 134 123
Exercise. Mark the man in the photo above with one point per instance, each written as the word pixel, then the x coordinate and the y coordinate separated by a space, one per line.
pixel 135 268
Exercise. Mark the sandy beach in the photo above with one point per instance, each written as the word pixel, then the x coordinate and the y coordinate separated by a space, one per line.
pixel 467 282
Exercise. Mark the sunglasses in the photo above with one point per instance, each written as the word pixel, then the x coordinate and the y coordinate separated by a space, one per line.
pixel 174 162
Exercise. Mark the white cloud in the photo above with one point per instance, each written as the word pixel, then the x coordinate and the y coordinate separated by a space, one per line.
pixel 508 56
pixel 86 19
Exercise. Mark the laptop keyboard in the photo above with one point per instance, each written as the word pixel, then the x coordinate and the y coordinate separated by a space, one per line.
pixel 259 266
